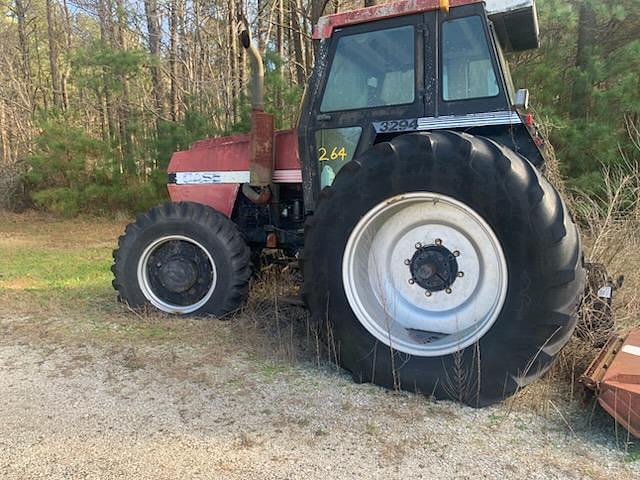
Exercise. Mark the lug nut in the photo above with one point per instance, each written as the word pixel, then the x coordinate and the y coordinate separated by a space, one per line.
pixel 411 281
pixel 427 293
pixel 438 241
pixel 461 274
pixel 418 246
pixel 407 262
pixel 456 253
pixel 448 290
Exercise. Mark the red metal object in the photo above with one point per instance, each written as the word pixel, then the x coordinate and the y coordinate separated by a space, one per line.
pixel 221 197
pixel 615 377
pixel 223 153
pixel 287 156
pixel 230 154
pixel 326 25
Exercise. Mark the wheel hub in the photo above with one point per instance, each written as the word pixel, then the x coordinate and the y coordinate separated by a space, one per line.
pixel 178 275
pixel 433 267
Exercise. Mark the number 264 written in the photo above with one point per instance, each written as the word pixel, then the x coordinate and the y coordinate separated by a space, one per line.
pixel 335 153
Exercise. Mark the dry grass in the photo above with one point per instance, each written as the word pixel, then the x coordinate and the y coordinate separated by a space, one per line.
pixel 610 227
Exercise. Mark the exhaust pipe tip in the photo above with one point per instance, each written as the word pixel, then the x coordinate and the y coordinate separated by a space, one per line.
pixel 245 39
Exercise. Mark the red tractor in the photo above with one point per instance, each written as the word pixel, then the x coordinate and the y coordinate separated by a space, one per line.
pixel 430 243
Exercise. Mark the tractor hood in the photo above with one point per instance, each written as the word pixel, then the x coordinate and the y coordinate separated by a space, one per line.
pixel 224 164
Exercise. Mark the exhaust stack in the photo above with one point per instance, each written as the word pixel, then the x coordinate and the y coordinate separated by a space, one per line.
pixel 262 123
pixel 257 71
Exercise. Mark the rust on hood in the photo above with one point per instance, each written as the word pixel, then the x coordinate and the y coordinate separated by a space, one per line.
pixel 615 377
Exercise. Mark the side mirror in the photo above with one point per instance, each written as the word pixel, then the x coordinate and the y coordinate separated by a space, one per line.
pixel 522 99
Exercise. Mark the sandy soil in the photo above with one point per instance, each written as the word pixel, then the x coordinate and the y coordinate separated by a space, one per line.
pixel 164 411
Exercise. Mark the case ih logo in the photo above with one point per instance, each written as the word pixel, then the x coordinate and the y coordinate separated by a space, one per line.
pixel 199 178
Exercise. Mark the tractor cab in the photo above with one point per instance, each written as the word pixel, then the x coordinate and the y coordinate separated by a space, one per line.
pixel 413 66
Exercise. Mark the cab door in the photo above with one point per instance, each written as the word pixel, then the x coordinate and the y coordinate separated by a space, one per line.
pixel 371 74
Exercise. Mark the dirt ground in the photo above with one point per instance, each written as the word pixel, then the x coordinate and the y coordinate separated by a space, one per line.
pixel 91 390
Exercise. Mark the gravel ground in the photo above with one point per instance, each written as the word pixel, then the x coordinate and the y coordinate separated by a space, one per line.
pixel 90 390
pixel 80 411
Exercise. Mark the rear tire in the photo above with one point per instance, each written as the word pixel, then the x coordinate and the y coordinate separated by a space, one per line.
pixel 527 322
pixel 182 258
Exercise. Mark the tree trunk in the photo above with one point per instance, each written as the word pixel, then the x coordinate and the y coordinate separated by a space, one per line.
pixel 153 27
pixel 242 54
pixel 4 138
pixel 126 148
pixel 104 14
pixel 23 40
pixel 259 23
pixel 196 56
pixel 53 57
pixel 279 29
pixel 582 85
pixel 66 69
pixel 280 49
pixel 233 61
pixel 176 14
pixel 298 48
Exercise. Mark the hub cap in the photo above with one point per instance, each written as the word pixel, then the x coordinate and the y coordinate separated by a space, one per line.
pixel 176 274
pixel 424 274
pixel 434 267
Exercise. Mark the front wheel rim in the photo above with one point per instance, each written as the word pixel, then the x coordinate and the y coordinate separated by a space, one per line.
pixel 461 287
pixel 177 274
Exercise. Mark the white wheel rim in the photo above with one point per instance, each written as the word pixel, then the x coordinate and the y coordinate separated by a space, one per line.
pixel 147 288
pixel 399 314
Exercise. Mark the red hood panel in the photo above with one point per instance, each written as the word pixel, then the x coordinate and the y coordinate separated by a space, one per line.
pixel 232 154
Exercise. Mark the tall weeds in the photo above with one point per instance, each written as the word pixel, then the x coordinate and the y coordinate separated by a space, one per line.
pixel 610 229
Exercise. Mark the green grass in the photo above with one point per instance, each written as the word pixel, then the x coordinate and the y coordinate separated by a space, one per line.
pixel 56 259
pixel 53 269
pixel 57 271
pixel 632 454
pixel 272 370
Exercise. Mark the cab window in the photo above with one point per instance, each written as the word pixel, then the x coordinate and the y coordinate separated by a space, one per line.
pixel 372 69
pixel 467 71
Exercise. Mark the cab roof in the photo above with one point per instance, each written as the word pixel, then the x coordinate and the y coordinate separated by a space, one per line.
pixel 327 24
pixel 515 21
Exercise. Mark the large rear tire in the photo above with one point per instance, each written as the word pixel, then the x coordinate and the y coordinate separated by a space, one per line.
pixel 182 258
pixel 446 264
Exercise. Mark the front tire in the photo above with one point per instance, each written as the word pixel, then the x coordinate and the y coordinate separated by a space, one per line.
pixel 182 258
pixel 446 264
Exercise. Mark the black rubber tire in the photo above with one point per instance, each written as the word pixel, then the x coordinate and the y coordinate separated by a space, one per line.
pixel 207 226
pixel 540 242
